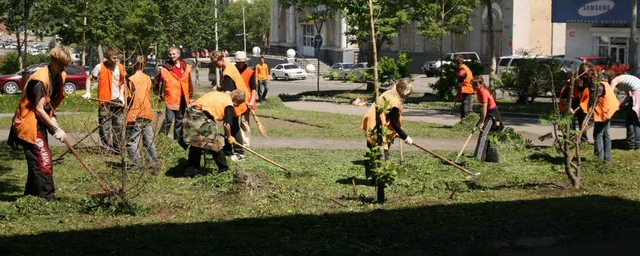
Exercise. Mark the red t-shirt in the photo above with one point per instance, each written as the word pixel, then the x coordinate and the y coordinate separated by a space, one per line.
pixel 177 70
pixel 484 96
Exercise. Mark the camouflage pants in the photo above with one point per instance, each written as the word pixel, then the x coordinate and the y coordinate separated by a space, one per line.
pixel 200 131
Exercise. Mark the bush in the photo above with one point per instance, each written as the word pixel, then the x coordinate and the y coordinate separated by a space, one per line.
pixel 446 87
pixel 9 64
pixel 390 70
pixel 531 78
pixel 330 74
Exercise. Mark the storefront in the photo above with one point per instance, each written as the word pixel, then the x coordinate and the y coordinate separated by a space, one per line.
pixel 595 28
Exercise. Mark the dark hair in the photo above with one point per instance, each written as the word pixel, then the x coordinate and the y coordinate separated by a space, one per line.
pixel 609 74
pixel 458 59
pixel 478 80
pixel 111 50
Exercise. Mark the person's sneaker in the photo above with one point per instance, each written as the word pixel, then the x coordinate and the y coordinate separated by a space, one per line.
pixel 237 157
pixel 191 172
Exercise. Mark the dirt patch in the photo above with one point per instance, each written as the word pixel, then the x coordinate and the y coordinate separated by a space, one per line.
pixel 288 122
pixel 162 213
pixel 249 181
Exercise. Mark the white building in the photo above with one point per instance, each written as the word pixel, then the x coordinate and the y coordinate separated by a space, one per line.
pixel 518 25
pixel 595 28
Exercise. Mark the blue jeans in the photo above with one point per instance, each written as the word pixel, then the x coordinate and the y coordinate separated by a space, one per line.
pixel 110 131
pixel 602 140
pixel 633 128
pixel 142 126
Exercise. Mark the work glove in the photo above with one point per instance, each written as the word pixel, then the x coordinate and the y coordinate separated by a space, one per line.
pixel 86 95
pixel 232 140
pixel 59 134
pixel 408 140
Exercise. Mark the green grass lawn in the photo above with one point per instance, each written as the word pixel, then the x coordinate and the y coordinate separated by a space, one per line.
pixel 519 198
pixel 312 124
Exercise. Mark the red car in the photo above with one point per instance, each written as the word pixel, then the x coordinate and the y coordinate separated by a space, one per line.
pixel 13 84
pixel 603 63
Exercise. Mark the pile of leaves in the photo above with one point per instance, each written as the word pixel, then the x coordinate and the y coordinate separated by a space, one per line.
pixel 467 123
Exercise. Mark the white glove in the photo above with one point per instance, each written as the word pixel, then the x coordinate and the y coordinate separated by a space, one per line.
pixel 59 134
pixel 86 95
pixel 54 121
pixel 408 140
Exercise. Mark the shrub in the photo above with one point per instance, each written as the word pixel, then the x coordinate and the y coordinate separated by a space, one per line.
pixel 531 78
pixel 390 70
pixel 9 64
pixel 447 85
pixel 330 74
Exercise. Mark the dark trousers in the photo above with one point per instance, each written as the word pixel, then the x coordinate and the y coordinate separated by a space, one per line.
pixel 40 167
pixel 170 116
pixel 485 151
pixel 262 89
pixel 229 149
pixel 580 116
pixel 111 131
pixel 633 128
pixel 467 104
pixel 195 154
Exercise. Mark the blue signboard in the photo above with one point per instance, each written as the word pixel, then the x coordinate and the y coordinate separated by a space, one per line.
pixel 591 11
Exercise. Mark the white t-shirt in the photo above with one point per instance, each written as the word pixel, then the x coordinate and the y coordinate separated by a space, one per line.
pixel 628 83
pixel 115 91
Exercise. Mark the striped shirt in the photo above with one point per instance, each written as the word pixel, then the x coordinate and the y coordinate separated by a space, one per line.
pixel 628 83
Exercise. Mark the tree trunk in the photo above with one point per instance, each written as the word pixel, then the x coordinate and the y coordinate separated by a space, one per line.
pixel 196 68
pixel 19 49
pixel 84 35
pixel 100 53
pixel 492 50
pixel 380 194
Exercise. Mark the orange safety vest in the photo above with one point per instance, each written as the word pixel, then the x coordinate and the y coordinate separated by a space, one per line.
pixel 262 72
pixel 231 71
pixel 141 106
pixel 466 84
pixel 369 120
pixel 583 96
pixel 246 76
pixel 574 95
pixel 214 103
pixel 606 105
pixel 106 78
pixel 24 122
pixel 175 87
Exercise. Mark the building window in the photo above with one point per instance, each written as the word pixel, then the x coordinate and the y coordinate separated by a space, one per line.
pixel 615 48
pixel 308 35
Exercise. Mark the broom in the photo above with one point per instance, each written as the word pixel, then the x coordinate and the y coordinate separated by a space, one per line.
pixel 263 130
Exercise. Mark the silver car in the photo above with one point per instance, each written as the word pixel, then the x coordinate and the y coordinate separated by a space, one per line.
pixel 341 69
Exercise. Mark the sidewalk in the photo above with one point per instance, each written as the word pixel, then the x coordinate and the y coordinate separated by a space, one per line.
pixel 523 123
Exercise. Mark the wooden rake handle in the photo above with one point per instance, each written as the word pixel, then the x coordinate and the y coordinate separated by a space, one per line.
pixel 263 158
pixel 93 174
pixel 465 145
pixel 447 161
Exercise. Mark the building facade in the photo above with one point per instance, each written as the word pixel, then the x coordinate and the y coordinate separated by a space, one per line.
pixel 519 25
pixel 595 28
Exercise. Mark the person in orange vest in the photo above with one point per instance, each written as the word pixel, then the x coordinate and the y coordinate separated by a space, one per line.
pixel 201 131
pixel 231 81
pixel 35 115
pixel 175 74
pixel 111 76
pixel 249 78
pixel 391 119
pixel 576 110
pixel 490 121
pixel 605 103
pixel 139 117
pixel 465 90
pixel 263 79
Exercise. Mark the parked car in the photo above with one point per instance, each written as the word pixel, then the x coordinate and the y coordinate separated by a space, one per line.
pixel 288 71
pixel 358 69
pixel 602 63
pixel 14 83
pixel 431 68
pixel 341 68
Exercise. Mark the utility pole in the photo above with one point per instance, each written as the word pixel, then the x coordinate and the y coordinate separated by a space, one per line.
pixel 244 28
pixel 216 29
pixel 633 42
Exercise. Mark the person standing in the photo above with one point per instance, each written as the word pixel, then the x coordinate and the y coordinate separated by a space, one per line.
pixel 139 117
pixel 579 97
pixel 605 104
pixel 391 119
pixel 110 75
pixel 231 81
pixel 490 121
pixel 201 131
pixel 465 90
pixel 263 77
pixel 630 85
pixel 175 74
pixel 35 115
pixel 244 110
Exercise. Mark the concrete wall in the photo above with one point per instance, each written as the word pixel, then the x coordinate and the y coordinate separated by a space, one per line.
pixel 581 44
pixel 559 39
pixel 540 27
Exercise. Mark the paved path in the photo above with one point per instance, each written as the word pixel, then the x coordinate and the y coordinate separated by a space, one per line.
pixel 527 124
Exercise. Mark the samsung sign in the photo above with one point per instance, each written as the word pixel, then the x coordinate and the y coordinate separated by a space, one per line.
pixel 589 11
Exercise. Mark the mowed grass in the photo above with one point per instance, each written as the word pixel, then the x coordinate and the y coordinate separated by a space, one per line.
pixel 521 197
pixel 289 123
